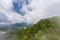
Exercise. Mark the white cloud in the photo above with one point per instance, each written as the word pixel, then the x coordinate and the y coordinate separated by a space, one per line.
pixel 6 9
pixel 40 9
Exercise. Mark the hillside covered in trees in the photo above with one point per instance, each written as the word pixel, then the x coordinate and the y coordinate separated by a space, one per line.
pixel 45 29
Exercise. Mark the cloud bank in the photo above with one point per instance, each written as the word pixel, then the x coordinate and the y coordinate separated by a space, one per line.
pixel 30 11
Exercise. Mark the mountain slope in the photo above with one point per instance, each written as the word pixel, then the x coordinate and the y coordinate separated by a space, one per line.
pixel 45 29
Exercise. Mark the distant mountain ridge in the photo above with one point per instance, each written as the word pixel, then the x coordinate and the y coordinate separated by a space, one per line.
pixel 24 24
pixel 14 26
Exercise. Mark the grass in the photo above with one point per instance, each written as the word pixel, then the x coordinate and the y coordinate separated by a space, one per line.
pixel 45 29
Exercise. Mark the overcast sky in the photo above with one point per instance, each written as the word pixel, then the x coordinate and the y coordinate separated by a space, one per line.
pixel 31 11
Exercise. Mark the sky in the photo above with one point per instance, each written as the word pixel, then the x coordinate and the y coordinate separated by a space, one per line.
pixel 30 11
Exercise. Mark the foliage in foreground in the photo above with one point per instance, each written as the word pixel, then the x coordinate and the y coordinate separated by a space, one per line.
pixel 45 29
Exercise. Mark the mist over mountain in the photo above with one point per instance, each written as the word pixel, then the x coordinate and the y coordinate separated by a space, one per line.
pixel 11 27
pixel 29 17
pixel 45 29
pixel 30 11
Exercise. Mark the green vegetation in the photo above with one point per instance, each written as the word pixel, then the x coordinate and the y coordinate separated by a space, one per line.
pixel 45 29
